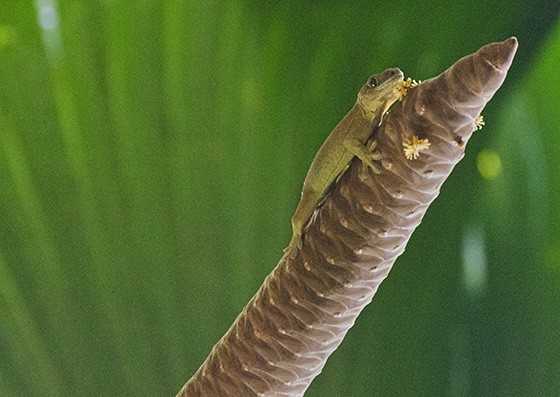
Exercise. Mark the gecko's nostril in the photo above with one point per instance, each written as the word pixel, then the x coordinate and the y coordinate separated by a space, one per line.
pixel 394 72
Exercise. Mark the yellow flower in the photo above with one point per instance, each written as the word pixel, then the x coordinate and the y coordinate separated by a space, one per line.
pixel 413 146
pixel 404 85
pixel 479 122
pixel 414 83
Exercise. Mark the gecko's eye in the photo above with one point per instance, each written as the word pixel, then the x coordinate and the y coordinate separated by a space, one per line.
pixel 372 82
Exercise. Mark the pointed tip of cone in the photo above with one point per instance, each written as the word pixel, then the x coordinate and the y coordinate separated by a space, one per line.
pixel 512 41
pixel 500 54
pixel 509 47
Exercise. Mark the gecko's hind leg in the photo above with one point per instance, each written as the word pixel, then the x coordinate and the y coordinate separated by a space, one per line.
pixel 367 155
pixel 295 245
pixel 310 199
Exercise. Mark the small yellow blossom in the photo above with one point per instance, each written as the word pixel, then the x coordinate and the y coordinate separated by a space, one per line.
pixel 479 122
pixel 414 83
pixel 404 85
pixel 413 146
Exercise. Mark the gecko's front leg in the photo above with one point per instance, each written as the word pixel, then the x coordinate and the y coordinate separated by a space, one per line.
pixel 366 153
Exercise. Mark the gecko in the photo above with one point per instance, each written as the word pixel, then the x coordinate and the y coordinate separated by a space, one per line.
pixel 349 139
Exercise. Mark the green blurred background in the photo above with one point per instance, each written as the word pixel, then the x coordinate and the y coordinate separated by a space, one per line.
pixel 152 153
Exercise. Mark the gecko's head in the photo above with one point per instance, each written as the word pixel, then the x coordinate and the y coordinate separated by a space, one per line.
pixel 379 92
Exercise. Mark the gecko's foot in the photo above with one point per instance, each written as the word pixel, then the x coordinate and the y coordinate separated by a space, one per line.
pixel 295 245
pixel 367 154
pixel 369 160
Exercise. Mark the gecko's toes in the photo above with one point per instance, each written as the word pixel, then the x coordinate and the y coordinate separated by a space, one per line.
pixel 295 245
pixel 371 165
pixel 374 154
pixel 371 145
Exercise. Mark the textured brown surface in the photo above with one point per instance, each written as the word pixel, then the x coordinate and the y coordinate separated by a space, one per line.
pixel 303 310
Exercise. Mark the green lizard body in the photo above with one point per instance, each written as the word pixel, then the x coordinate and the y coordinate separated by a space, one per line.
pixel 346 141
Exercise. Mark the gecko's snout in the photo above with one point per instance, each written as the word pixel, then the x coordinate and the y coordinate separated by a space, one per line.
pixel 395 72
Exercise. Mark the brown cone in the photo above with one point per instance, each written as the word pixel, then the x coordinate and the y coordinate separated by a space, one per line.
pixel 300 315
